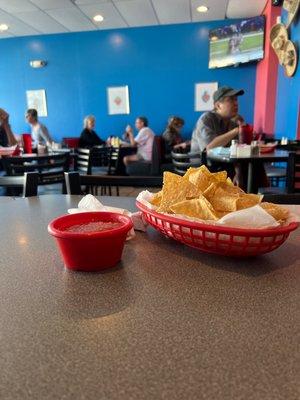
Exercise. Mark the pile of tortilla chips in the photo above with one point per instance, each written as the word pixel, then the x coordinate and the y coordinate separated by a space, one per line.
pixel 207 196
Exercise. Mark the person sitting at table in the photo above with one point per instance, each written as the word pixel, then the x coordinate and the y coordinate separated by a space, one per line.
pixel 7 138
pixel 143 141
pixel 39 132
pixel 172 136
pixel 216 128
pixel 88 137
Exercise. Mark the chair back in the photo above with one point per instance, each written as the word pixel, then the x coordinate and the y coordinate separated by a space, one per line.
pixel 50 167
pixel 83 161
pixel 293 173
pixel 101 157
pixel 183 161
pixel 74 181
pixel 29 183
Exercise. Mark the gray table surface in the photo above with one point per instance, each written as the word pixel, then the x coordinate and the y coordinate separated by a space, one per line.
pixel 275 156
pixel 168 323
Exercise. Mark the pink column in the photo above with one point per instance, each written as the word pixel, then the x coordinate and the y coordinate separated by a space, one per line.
pixel 298 126
pixel 266 79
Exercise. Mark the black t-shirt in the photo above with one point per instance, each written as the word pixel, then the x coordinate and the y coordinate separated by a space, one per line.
pixel 3 137
pixel 89 138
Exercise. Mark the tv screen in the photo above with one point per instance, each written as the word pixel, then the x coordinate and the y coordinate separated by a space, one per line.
pixel 237 43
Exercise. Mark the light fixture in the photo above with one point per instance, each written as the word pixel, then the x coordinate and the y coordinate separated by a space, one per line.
pixel 202 9
pixel 98 18
pixel 3 27
pixel 38 63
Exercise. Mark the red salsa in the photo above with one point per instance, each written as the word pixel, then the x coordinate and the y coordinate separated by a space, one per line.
pixel 97 226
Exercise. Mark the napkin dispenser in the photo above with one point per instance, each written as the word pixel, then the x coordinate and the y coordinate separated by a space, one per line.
pixel 243 150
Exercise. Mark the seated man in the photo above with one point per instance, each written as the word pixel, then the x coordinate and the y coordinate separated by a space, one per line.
pixel 216 128
pixel 39 132
pixel 6 136
pixel 143 141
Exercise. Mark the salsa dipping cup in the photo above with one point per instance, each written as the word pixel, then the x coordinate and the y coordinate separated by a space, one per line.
pixel 85 249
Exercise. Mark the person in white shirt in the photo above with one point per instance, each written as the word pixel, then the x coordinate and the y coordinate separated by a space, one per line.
pixel 143 141
pixel 39 132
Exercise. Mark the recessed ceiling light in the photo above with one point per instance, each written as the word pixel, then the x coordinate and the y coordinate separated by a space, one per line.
pixel 98 18
pixel 3 27
pixel 202 9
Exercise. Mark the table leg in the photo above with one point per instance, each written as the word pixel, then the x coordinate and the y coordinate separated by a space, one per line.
pixel 250 177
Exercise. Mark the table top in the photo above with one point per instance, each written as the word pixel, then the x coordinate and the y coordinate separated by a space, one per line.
pixel 277 155
pixel 169 322
pixel 34 156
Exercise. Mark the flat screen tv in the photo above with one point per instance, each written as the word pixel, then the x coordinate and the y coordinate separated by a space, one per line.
pixel 237 43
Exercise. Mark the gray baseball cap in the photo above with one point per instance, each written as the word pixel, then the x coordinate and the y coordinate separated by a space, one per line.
pixel 226 91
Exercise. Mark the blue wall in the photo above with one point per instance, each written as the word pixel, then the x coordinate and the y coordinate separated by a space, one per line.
pixel 159 64
pixel 288 95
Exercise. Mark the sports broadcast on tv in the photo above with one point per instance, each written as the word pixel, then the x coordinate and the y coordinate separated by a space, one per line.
pixel 237 43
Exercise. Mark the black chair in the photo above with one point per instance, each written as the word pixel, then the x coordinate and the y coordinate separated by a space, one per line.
pixel 293 173
pixel 74 181
pixel 282 198
pixel 276 174
pixel 28 182
pixel 83 162
pixel 50 167
pixel 183 161
pixel 292 180
pixel 101 160
pixel 154 167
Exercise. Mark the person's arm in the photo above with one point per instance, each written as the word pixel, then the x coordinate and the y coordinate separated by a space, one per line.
pixel 131 139
pixel 224 139
pixel 182 145
pixel 45 134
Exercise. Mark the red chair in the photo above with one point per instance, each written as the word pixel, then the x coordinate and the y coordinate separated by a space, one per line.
pixel 27 142
pixel 71 142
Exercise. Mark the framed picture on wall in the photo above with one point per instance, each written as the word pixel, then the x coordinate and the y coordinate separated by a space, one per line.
pixel 118 100
pixel 37 99
pixel 204 96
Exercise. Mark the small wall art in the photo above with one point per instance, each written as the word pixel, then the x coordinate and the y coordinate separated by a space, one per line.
pixel 118 100
pixel 204 96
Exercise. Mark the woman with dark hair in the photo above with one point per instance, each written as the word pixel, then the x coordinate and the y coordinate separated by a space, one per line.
pixel 171 135
pixel 89 137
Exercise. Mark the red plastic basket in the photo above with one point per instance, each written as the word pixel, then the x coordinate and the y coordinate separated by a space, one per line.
pixel 217 239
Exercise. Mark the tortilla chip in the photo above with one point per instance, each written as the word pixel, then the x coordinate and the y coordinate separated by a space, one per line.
pixel 196 208
pixel 175 189
pixel 229 182
pixel 190 171
pixel 210 191
pixel 156 199
pixel 277 212
pixel 223 201
pixel 220 176
pixel 201 178
pixel 248 200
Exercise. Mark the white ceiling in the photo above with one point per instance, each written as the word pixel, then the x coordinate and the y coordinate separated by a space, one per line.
pixel 34 17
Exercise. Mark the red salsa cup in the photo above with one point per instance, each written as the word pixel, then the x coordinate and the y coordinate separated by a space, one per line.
pixel 90 241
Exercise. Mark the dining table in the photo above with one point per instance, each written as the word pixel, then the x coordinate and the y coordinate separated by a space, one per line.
pixel 168 322
pixel 252 161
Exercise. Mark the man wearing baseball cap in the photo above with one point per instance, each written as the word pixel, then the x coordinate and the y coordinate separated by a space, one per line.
pixel 216 128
